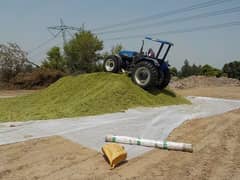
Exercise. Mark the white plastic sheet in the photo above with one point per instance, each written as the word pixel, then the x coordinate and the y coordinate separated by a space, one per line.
pixel 149 123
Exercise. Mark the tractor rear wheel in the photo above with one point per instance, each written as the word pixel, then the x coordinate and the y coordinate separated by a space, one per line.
pixel 145 74
pixel 112 64
pixel 166 80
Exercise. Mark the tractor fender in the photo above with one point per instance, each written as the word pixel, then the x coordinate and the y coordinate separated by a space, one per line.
pixel 153 61
pixel 164 66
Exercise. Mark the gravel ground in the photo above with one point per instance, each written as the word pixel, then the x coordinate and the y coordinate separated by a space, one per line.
pixel 203 81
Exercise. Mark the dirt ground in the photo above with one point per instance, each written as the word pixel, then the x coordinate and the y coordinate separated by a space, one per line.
pixel 219 92
pixel 216 142
pixel 203 81
pixel 14 93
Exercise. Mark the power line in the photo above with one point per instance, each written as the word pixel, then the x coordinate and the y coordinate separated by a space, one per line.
pixel 201 28
pixel 40 52
pixel 42 44
pixel 165 14
pixel 32 63
pixel 177 20
pixel 62 28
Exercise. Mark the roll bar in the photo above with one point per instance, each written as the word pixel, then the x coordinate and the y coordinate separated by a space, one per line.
pixel 162 43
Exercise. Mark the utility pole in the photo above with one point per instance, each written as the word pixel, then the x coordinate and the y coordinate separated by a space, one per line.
pixel 63 29
pixel 83 27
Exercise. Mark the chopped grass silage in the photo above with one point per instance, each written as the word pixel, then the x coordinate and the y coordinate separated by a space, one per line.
pixel 82 95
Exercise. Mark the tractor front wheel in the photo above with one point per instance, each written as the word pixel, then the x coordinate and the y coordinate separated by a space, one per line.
pixel 145 74
pixel 111 64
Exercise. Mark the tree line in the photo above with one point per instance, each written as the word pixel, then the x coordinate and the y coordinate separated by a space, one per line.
pixel 81 55
pixel 231 70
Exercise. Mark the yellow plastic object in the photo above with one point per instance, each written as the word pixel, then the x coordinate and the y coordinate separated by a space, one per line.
pixel 115 153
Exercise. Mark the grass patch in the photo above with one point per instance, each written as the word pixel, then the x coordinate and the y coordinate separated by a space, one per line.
pixel 82 95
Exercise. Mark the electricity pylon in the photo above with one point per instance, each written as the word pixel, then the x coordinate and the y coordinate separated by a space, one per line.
pixel 63 29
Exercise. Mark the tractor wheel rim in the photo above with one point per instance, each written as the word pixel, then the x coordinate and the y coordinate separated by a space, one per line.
pixel 109 65
pixel 142 76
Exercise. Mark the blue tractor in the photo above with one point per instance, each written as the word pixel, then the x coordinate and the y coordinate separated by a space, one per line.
pixel 147 69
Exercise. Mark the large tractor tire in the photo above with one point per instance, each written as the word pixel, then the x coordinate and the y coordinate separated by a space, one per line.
pixel 166 80
pixel 112 64
pixel 145 74
pixel 160 78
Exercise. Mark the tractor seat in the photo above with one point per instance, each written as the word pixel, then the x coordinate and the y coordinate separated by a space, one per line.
pixel 151 53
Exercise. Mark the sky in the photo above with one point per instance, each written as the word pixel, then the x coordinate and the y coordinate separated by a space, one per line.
pixel 25 22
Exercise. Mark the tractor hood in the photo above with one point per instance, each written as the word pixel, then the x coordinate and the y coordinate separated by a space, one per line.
pixel 128 53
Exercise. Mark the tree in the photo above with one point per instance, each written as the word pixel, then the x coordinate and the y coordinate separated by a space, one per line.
pixel 104 55
pixel 232 69
pixel 196 70
pixel 208 70
pixel 186 69
pixel 54 59
pixel 81 52
pixel 116 49
pixel 12 61
pixel 174 71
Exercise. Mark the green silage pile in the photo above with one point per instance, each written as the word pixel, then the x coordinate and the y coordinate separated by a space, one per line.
pixel 82 95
